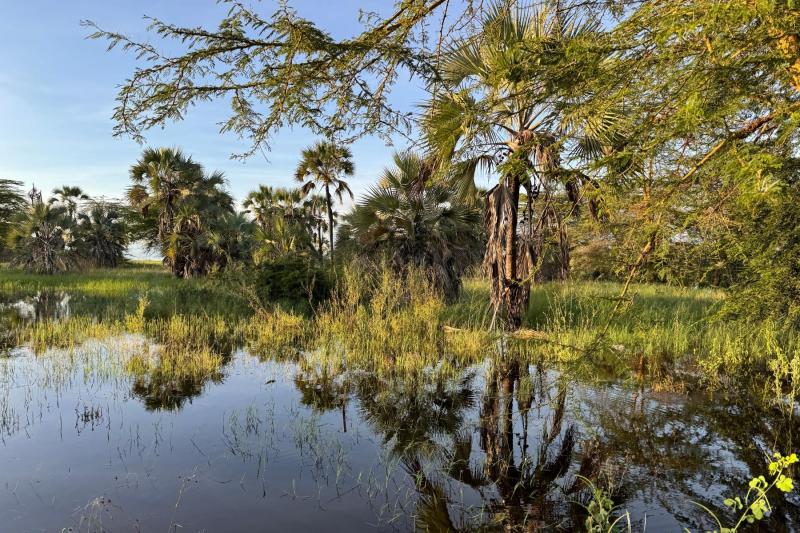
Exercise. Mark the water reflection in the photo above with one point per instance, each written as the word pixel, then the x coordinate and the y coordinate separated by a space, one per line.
pixel 160 390
pixel 178 428
pixel 43 305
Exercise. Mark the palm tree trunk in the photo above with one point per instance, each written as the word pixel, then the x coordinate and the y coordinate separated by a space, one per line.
pixel 319 236
pixel 330 217
pixel 515 290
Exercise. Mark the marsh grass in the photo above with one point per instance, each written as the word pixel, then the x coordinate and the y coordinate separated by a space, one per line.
pixel 277 334
pixel 117 291
pixel 65 334
pixel 377 319
pixel 380 319
pixel 669 335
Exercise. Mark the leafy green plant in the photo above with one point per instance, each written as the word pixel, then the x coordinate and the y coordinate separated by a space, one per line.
pixel 756 505
pixel 600 511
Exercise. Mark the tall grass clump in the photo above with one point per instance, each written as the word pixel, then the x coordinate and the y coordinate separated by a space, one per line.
pixel 377 313
pixel 277 333
pixel 380 316
pixel 66 334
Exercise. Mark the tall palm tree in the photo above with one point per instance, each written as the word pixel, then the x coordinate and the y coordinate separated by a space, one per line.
pixel 38 238
pixel 315 221
pixel 69 197
pixel 501 108
pixel 161 177
pixel 418 222
pixel 321 167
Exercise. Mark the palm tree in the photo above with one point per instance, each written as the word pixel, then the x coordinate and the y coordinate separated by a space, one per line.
pixel 38 238
pixel 204 209
pixel 286 222
pixel 322 165
pixel 161 178
pixel 261 203
pixel 231 238
pixel 418 222
pixel 500 108
pixel 315 221
pixel 178 204
pixel 101 234
pixel 68 197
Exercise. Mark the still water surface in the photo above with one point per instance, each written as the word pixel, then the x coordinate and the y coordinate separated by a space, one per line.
pixel 268 444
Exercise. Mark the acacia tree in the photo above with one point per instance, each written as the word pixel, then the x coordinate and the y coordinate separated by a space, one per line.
pixel 281 69
pixel 321 166
pixel 711 95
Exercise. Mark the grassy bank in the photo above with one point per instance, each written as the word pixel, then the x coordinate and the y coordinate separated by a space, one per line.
pixel 111 293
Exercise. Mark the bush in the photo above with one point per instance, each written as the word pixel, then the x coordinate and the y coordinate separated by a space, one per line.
pixel 291 278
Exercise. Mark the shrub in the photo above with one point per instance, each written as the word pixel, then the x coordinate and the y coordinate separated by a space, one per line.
pixel 291 278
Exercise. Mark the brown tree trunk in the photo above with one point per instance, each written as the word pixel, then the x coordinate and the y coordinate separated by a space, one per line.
pixel 330 218
pixel 319 234
pixel 502 260
pixel 516 293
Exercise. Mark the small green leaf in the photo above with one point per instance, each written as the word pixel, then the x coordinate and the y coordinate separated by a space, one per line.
pixel 785 484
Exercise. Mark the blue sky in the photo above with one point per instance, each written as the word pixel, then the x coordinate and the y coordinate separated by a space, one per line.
pixel 57 94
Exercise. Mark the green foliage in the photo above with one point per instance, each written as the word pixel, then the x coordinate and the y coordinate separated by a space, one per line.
pixel 768 242
pixel 40 238
pixel 287 223
pixel 184 213
pixel 755 505
pixel 323 165
pixel 11 202
pixel 101 235
pixel 416 222
pixel 291 278
pixel 385 320
pixel 600 511
pixel 277 70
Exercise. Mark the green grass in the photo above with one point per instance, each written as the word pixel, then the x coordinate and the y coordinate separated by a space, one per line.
pixel 667 334
pixel 122 281
pixel 111 293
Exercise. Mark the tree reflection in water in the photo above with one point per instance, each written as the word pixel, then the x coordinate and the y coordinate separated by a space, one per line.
pixel 164 391
pixel 179 373
pixel 427 420
pixel 506 445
